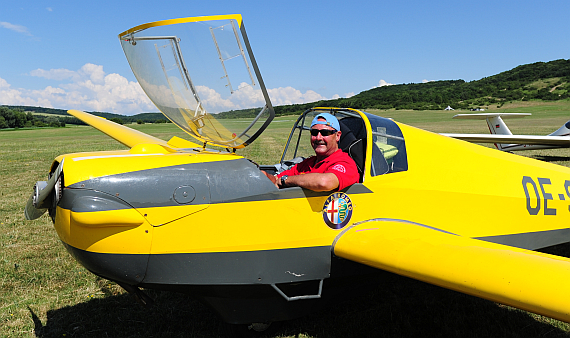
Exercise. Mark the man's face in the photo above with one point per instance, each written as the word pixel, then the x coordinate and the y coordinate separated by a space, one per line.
pixel 324 145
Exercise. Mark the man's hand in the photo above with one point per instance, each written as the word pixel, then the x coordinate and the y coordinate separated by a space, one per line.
pixel 272 178
pixel 311 181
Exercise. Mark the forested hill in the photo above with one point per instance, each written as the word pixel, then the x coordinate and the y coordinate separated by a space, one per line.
pixel 537 81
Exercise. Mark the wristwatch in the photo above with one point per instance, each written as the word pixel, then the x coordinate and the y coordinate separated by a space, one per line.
pixel 283 179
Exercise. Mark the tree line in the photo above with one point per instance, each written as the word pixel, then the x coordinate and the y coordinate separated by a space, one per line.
pixel 17 118
pixel 29 117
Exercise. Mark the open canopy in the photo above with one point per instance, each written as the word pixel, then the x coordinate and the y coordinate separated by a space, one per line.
pixel 198 71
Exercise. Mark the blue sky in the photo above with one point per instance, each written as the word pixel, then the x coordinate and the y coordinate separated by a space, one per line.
pixel 66 54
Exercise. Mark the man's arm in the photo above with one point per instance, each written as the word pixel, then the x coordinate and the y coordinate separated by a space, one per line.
pixel 311 181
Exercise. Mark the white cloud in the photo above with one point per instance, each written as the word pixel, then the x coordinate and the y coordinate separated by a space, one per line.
pixel 3 83
pixel 383 83
pixel 91 89
pixel 88 88
pixel 213 100
pixel 247 97
pixel 15 28
pixel 55 74
pixel 346 96
pixel 426 81
pixel 49 9
pixel 289 95
pixel 94 72
pixel 11 96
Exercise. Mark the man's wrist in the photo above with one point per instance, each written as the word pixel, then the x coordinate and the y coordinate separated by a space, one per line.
pixel 284 180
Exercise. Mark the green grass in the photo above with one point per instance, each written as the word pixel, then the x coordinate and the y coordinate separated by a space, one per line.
pixel 55 115
pixel 45 293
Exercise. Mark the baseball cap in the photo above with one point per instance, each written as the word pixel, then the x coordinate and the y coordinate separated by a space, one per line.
pixel 330 121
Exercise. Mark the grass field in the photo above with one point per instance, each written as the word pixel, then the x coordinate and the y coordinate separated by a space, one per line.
pixel 55 115
pixel 45 293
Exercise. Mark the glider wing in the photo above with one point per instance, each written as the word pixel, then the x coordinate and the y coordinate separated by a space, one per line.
pixel 484 116
pixel 125 135
pixel 525 279
pixel 561 141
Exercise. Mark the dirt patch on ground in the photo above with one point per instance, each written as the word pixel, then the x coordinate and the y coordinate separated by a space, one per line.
pixel 521 104
pixel 554 88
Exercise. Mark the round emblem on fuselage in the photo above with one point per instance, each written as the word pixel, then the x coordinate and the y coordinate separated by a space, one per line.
pixel 337 210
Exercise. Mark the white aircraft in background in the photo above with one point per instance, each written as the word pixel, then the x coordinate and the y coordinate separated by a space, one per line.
pixel 504 140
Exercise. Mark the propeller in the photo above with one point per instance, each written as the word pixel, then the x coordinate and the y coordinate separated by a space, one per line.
pixel 43 196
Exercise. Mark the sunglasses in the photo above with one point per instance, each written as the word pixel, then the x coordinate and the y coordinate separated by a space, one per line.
pixel 324 132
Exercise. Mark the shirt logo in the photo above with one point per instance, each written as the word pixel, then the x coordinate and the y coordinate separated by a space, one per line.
pixel 339 167
pixel 337 210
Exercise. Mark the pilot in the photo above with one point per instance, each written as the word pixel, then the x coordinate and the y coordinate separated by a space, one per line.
pixel 330 168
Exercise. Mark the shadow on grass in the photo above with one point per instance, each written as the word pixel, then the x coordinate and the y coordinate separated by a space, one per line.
pixel 547 158
pixel 399 307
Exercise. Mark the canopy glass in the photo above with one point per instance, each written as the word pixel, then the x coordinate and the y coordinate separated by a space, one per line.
pixel 200 72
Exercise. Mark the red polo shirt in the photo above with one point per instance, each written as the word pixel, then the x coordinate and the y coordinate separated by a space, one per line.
pixel 338 163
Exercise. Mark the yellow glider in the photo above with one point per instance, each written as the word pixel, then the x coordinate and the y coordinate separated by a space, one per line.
pixel 178 216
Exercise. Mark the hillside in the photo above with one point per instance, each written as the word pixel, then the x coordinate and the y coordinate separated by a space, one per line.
pixel 545 81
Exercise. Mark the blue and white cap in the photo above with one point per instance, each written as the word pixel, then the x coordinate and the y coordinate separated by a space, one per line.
pixel 330 121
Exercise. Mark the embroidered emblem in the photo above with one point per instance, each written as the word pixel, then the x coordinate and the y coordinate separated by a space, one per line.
pixel 337 210
pixel 339 167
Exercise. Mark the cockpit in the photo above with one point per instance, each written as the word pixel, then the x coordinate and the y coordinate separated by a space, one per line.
pixel 388 149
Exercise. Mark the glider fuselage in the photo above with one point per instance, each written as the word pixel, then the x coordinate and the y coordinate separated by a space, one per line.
pixel 203 221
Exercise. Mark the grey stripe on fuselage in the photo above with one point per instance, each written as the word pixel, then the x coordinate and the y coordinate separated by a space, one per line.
pixel 125 268
pixel 531 240
pixel 296 192
pixel 247 267
pixel 213 182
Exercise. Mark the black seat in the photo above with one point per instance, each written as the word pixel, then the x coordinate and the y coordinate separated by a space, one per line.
pixel 353 141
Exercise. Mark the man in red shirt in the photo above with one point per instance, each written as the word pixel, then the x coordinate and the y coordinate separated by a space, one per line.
pixel 330 169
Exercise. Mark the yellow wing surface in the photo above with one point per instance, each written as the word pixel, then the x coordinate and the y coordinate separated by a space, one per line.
pixel 521 278
pixel 125 135
pixel 128 136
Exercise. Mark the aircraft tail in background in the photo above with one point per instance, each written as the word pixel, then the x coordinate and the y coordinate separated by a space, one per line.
pixel 562 131
pixel 495 123
pixel 504 139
